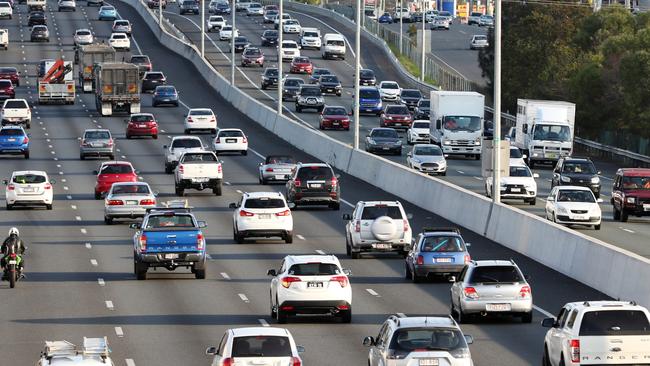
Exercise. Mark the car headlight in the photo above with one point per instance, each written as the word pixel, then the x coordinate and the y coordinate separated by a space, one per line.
pixel 630 199
pixel 477 142
pixel 416 160
pixel 397 142
pixel 565 179
pixel 562 210
pixel 447 142
pixel 286 90
pixel 372 142
pixel 595 180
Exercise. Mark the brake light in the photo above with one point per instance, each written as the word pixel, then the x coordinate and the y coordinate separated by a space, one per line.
pixel 269 169
pixel 181 169
pixel 334 181
pixel 11 187
pixel 110 142
pixel 200 241
pixel 295 361
pixel 228 361
pixel 298 182
pixel 287 281
pixel 243 213
pixel 218 140
pixel 245 140
pixel 406 225
pixel 467 258
pixel 25 140
pixel 470 292
pixel 148 202
pixel 219 168
pixel 213 119
pixel 342 280
pixel 115 202
pixel 48 186
pixel 143 243
pixel 574 345
pixel 525 292
pixel 189 119
pixel 284 213
pixel 357 226
pixel 420 260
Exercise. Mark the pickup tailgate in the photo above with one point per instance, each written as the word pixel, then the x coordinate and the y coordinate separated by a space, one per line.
pixel 201 170
pixel 615 350
pixel 173 241
pixel 15 113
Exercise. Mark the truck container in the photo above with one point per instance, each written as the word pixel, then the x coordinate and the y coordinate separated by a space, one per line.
pixel 87 57
pixel 57 85
pixel 544 130
pixel 457 122
pixel 117 88
pixel 4 39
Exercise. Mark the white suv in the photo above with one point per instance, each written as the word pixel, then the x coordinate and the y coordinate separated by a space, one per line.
pixel 597 333
pixel 200 119
pixel 430 340
pixel 260 345
pixel 29 188
pixel 262 214
pixel 310 284
pixel 377 226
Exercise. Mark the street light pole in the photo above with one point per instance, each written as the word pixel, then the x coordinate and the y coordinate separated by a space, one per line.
pixel 401 17
pixel 496 141
pixel 232 44
pixel 160 14
pixel 357 76
pixel 280 81
pixel 202 28
pixel 424 41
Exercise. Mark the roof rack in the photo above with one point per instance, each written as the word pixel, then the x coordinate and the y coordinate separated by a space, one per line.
pixel 440 229
pixel 59 349
pixel 96 347
pixel 92 347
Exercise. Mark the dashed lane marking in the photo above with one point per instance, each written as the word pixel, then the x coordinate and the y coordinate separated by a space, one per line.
pixel 244 298
pixel 225 275
pixel 372 292
pixel 300 237
pixel 119 332
pixel 94 262
pixel 320 252
pixel 100 281
pixel 263 322
pixel 109 305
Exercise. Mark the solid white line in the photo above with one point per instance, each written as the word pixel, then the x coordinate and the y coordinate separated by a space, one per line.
pixel 347 203
pixel 119 332
pixel 94 262
pixel 109 305
pixel 320 252
pixel 372 292
pixel 88 245
pixel 83 231
pixel 263 322
pixel 78 218
pixel 546 313
pixel 244 298
pixel 129 362
pixel 478 178
pixel 300 237
pixel 460 171
pixel 100 281
pixel 225 275
pixel 258 154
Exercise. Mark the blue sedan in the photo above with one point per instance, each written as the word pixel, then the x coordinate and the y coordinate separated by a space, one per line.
pixel 14 141
pixel 107 13
pixel 385 18
pixel 437 252
pixel 165 94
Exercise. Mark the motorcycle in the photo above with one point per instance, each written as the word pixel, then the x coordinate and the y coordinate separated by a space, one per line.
pixel 13 269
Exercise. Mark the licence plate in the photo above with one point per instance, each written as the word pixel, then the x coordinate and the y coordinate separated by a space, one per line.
pixel 314 284
pixel 386 148
pixel 579 217
pixel 497 307
pixel 13 262
pixel 428 362
pixel 171 256
pixel 231 141
pixel 265 217
pixel 335 123
pixel 279 176
pixel 551 156
pixel 132 202
pixel 382 246
pixel 28 189
pixel 142 126
pixel 515 190
pixel 318 185
pixel 398 124
pixel 646 207
pixel 200 180
pixel 443 260
pixel 11 140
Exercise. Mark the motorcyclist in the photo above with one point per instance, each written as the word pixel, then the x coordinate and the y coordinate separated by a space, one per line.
pixel 19 247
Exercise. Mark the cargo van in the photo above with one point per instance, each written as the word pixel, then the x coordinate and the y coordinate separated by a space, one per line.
pixel 4 38
pixel 333 46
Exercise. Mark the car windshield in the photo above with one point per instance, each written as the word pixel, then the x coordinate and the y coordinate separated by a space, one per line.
pixel 315 173
pixel 139 59
pixel 369 94
pixel 107 8
pixel 291 22
pixel 314 269
pixel 552 133
pixel 169 221
pixel 462 123
pixel 495 274
pixel 310 34
pixel 397 109
pixel 335 42
pixel 199 158
pixel 444 13
pixel 329 79
pixel 11 132
pixel 29 179
pixel 427 151
pixel 422 125
pixel 389 86
pixel 374 212
pixel 280 160
pixel 311 92
pixel 271 72
pixel 241 40
pixel 216 19
pixel 427 339
pixel 5 83
pixel 480 38
pixel 293 82
pixel 566 195
pixel 39 28
pixel 97 135
pixel 289 45
pixel 264 202
pixel 578 168
pixel 411 94
pixel 425 103
pixel 121 22
pixel 385 133
pixel 142 118
pixel 270 33
pixel 335 111
pixel 367 74
pixel 614 323
pixel 83 33
pixel 124 189
pixel 261 346
pixel 520 171
pixel 231 133
pixel 515 154
pixel 8 70
pixel 200 112
pixel 186 143
pixel 301 60
pixel 442 244
pixel 271 12
pixel 253 52
pixel 116 169
pixel 636 183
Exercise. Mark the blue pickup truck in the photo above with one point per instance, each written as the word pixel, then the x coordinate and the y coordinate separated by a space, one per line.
pixel 169 237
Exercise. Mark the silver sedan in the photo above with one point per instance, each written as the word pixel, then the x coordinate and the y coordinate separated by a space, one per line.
pixel 128 200
pixel 428 159
pixel 276 168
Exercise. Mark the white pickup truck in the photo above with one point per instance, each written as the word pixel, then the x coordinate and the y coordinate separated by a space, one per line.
pixel 177 147
pixel 36 5
pixel 598 333
pixel 16 111
pixel 198 170
pixel 4 38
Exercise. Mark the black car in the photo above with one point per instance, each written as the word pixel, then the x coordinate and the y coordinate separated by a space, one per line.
pixel 410 98
pixel 314 183
pixel 291 87
pixel 421 111
pixel 270 37
pixel 40 33
pixel 416 17
pixel 142 61
pixel 36 18
pixel 367 77
pixel 41 66
pixel 188 6
pixel 316 73
pixel 574 171
pixel 270 78
pixel 384 140
pixel 222 9
pixel 330 84
pixel 151 80
pixel 241 43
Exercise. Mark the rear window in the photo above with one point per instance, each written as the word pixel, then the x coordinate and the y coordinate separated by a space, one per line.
pixel 83 33
pixel 169 221
pixel 369 94
pixel 280 160
pixel 231 133
pixel 261 346
pixel 199 158
pixel 155 76
pixel 186 143
pixel 335 43
pixel 8 70
pixel 141 118
pixel 119 36
pixel 29 179
pixel 434 339
pixel 515 154
pixel 130 189
pixel 315 173
pixel 385 133
pixel 264 202
pixel 495 274
pixel 5 83
pixel 139 59
pixel 200 112
pixel 442 244
pixel 122 22
pixel 165 89
pixel 411 93
pixel 16 104
pixel 116 169
pixel 314 269
pixel 97 135
pixel 11 132
pixel 373 212
pixel 614 323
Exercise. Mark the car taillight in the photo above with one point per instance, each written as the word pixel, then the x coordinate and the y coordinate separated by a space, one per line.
pixel 295 361
pixel 148 202
pixel 334 181
pixel 189 119
pixel 467 258
pixel 470 292
pixel 217 140
pixel 525 292
pixel 48 186
pixel 11 187
pixel 110 142
pixel 181 169
pixel 342 280
pixel 213 119
pixel 287 281
pixel 219 169
pixel 244 213
pixel 26 140
pixel 420 260
pixel 143 243
pixel 357 226
pixel 200 241
pixel 268 169
pixel 245 140
pixel 283 213
pixel 406 225
pixel 574 346
pixel 228 361
pixel 115 202
pixel 298 182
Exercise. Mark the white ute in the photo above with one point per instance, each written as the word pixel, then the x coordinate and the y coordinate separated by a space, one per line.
pixel 179 146
pixel 94 352
pixel 16 111
pixel 198 170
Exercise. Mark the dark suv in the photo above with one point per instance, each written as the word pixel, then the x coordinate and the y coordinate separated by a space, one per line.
pixel 314 183
pixel 631 193
pixel 573 171
pixel 270 78
pixel 310 96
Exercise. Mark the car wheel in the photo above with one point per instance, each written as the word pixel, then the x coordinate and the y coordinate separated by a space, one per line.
pixel 415 278
pixel 616 213
pixel 244 152
pixel 281 316
pixel 346 316
pixel 199 273
pixel 112 156
pixel 274 313
pixel 545 360
pixel 179 191
pixel 624 215
pixel 348 250
pixel 288 238
pixel 82 157
pixel 597 227
pixel 168 169
pixel 461 317
pixel 26 154
pixel 527 317
pixel 140 270
pixel 356 255
pixel 128 137
pixel 98 196
pixel 239 238
pixel 335 206
pixel 407 271
pixel 532 202
pixel 298 109
pixel 155 137
pixel 186 131
pixel 217 190
pixel 108 220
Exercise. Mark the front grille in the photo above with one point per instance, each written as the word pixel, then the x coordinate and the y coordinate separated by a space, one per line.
pixel 579 211
pixel 520 187
pixel 429 165
pixel 462 142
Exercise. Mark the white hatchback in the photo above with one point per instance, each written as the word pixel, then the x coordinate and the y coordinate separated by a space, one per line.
pixel 225 33
pixel 389 90
pixel 256 346
pixel 262 215
pixel 29 188
pixel 120 41
pixel 574 205
pixel 290 49
pixel 419 132
pixel 310 284
pixel 200 119
pixel 83 37
pixel 230 140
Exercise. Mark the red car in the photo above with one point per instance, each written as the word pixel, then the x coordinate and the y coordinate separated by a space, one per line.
pixel 112 172
pixel 252 56
pixel 10 73
pixel 334 117
pixel 301 65
pixel 141 124
pixel 396 116
pixel 7 90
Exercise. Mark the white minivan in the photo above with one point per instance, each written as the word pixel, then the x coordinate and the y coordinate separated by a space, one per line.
pixel 333 46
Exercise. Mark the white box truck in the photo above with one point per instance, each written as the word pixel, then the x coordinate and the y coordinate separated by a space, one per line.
pixel 4 38
pixel 457 122
pixel 544 130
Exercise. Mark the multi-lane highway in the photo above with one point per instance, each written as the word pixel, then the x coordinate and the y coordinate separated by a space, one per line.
pixel 79 270
pixel 463 172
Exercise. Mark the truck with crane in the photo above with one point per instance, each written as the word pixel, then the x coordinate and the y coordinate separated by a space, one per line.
pixel 57 85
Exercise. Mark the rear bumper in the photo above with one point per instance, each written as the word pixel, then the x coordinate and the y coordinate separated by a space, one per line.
pixel 315 307
pixel 315 198
pixel 516 306
pixel 14 150
pixel 142 131
pixel 426 270
pixel 124 212
pixel 265 233
pixel 188 184
pixel 159 260
pixel 96 151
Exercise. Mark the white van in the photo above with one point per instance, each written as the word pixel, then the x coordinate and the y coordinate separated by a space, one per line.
pixel 4 38
pixel 333 46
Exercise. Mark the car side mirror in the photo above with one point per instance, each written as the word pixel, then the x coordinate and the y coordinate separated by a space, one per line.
pixel 524 128
pixel 599 172
pixel 211 351
pixel 468 244
pixel 156 193
pixel 136 225
pixel 469 339
pixel 535 175
pixel 599 200
pixel 202 224
pixel 452 279
pixel 347 217
pixel 95 172
pixel 409 154
pixel 524 156
pixel 550 199
pixel 232 205
pixel 347 272
pixel 52 181
pixel 165 146
pixel 548 323
pixel 271 272
pixel 368 341
pixel 300 349
pixel 291 205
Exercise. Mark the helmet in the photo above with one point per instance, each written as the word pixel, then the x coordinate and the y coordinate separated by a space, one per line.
pixel 13 231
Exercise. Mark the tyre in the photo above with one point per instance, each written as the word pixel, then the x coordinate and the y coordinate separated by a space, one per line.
pixel 112 156
pixel 545 358
pixel 155 137
pixel 12 278
pixel 128 137
pixel 415 278
pixel 245 152
pixel 199 273
pixel 288 238
pixel 26 155
pixel 239 238
pixel 186 131
pixel 179 191
pixel 346 316
pixel 98 196
pixel 407 272
pixel 168 169
pixel 335 206
pixel 217 190
pixel 597 227
pixel 9 207
pixel 48 207
pixel 281 316
pixel 616 213
pixel 29 125
pixel 108 220
pixel 140 270
pixel 527 317
pixel 356 255
pixel 298 109
pixel 274 313
pixel 532 202
pixel 624 215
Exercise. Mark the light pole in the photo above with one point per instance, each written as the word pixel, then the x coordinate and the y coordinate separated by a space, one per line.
pixel 160 14
pixel 401 17
pixel 202 28
pixel 496 141
pixel 424 40
pixel 232 44
pixel 357 68
pixel 280 82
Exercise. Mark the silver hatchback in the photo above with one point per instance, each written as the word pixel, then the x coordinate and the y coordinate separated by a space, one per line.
pixel 128 200
pixel 491 287
pixel 97 142
pixel 276 168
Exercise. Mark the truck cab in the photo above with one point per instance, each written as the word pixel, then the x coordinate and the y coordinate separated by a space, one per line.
pixel 457 122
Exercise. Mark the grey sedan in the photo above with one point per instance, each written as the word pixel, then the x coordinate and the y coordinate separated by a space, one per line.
pixel 276 168
pixel 384 140
pixel 128 200
pixel 97 142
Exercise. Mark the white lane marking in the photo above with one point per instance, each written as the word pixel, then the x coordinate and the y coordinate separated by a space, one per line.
pixel 300 237
pixel 225 276
pixel 100 281
pixel 239 191
pixel 256 153
pixel 68 197
pixel 109 305
pixel 627 230
pixel 478 178
pixel 263 322
pixel 74 207
pixel 78 218
pixel 544 312
pixel 65 188
pixel 401 315
pixel 346 202
pixel 244 298
pixel 460 171
pixel 83 231
pixel 227 183
pixel 129 362
pixel 119 332
pixel 63 180
pixel 372 292
pixel 94 262
pixel 320 252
